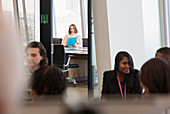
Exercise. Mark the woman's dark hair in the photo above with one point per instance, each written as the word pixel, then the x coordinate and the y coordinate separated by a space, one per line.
pixel 48 81
pixel 75 29
pixel 155 75
pixel 119 57
pixel 43 52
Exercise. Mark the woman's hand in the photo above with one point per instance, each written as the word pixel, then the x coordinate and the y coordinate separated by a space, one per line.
pixel 75 45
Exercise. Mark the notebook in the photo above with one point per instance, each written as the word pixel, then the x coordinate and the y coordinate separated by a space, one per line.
pixel 72 41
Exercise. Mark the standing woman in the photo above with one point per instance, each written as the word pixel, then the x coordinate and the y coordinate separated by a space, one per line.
pixel 123 79
pixel 72 33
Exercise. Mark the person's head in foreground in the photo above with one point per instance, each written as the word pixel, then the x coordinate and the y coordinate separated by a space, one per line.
pixel 155 76
pixel 163 52
pixel 48 81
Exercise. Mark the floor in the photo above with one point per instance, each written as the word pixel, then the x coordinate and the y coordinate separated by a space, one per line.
pixel 81 90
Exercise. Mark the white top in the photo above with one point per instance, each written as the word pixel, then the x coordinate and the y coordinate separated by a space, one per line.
pixel 67 36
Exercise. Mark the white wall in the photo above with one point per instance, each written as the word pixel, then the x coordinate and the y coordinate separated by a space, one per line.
pixel 151 23
pixel 129 25
pixel 126 29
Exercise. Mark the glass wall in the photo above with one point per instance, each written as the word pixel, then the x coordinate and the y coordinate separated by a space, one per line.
pixel 68 12
pixel 8 10
pixel 164 7
pixel 25 15
pixel 92 51
pixel 94 65
pixel 168 16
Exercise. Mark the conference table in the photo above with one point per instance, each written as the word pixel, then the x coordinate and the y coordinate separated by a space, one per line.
pixel 80 56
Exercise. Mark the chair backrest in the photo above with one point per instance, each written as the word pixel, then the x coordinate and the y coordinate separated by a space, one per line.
pixel 85 42
pixel 59 55
pixel 57 40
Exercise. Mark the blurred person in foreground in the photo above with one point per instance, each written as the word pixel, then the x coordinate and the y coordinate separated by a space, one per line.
pixel 163 52
pixel 48 81
pixel 155 76
pixel 11 77
pixel 123 79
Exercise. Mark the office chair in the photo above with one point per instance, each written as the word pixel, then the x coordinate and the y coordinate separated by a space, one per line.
pixel 85 42
pixel 57 40
pixel 59 60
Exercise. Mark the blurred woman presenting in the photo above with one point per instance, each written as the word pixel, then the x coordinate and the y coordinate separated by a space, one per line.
pixel 72 34
pixel 123 79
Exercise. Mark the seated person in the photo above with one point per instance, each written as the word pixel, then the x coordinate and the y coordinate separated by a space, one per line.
pixel 72 33
pixel 48 81
pixel 163 52
pixel 123 79
pixel 35 57
pixel 155 76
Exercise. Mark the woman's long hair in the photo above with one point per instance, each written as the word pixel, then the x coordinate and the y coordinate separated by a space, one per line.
pixel 155 75
pixel 75 29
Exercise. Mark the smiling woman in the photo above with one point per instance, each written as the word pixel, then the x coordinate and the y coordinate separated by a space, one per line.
pixel 123 79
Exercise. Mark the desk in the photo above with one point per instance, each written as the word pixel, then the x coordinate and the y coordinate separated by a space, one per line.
pixel 76 50
pixel 80 57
